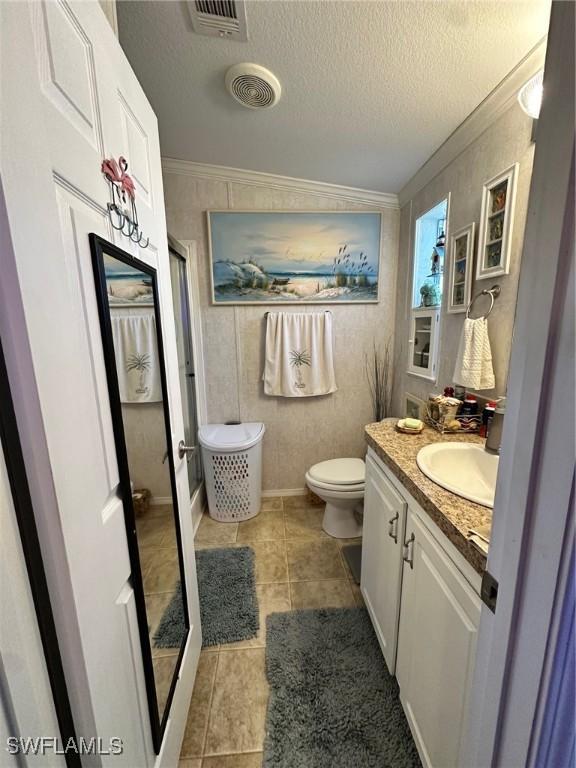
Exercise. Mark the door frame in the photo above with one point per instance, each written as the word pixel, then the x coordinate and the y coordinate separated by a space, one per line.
pixel 188 250
pixel 528 553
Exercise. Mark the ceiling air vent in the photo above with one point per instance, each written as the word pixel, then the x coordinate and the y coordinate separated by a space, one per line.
pixel 219 18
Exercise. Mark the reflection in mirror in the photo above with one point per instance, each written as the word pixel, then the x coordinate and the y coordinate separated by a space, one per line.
pixel 131 326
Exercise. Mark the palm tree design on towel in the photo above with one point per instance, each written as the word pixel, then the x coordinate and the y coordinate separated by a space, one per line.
pixel 297 360
pixel 140 363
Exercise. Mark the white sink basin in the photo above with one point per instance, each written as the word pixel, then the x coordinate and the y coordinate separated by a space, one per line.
pixel 467 470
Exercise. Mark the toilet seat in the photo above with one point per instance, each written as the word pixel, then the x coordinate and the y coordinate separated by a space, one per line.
pixel 340 488
pixel 339 474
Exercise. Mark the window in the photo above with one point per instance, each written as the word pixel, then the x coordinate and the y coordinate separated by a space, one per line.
pixel 427 286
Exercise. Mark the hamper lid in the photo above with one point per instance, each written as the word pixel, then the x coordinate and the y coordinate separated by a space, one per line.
pixel 231 437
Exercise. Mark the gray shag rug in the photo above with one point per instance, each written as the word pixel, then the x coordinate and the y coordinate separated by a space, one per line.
pixel 332 702
pixel 172 628
pixel 228 602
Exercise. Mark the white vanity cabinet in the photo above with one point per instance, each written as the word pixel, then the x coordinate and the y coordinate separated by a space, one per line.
pixel 423 599
pixel 382 546
pixel 439 621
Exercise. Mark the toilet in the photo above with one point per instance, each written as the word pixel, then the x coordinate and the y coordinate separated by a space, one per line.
pixel 340 483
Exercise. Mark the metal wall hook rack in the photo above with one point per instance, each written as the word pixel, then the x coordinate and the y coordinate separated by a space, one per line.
pixel 122 207
pixel 493 292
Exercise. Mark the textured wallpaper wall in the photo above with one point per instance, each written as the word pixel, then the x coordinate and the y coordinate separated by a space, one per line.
pixel 300 432
pixel 505 142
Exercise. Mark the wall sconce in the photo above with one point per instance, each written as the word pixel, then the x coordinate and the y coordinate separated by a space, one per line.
pixel 530 98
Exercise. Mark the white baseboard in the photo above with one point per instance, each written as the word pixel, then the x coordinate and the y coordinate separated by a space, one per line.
pixel 156 501
pixel 286 492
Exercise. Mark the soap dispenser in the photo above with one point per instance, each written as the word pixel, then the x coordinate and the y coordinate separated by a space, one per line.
pixel 494 438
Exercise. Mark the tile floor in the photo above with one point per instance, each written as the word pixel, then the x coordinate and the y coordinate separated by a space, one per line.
pixel 297 566
pixel 156 533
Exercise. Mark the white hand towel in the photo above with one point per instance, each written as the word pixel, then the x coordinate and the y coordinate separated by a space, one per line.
pixel 299 355
pixel 137 358
pixel 474 360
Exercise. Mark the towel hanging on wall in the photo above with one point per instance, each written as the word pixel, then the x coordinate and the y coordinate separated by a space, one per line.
pixel 474 360
pixel 137 358
pixel 299 355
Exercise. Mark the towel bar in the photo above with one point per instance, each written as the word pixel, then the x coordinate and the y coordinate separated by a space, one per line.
pixel 493 292
pixel 325 310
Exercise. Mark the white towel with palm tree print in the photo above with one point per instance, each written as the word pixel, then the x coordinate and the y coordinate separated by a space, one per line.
pixel 299 354
pixel 137 358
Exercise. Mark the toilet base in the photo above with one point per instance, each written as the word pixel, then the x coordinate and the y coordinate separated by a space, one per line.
pixel 341 522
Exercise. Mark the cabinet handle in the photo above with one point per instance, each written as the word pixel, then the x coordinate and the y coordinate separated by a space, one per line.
pixel 408 556
pixel 393 529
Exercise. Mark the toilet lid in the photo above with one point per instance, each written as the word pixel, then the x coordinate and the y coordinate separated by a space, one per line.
pixel 339 471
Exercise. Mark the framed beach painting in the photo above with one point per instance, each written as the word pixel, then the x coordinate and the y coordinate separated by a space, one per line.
pixel 495 235
pixel 461 255
pixel 294 257
pixel 127 286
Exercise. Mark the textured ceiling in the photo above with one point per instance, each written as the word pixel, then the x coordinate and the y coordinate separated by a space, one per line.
pixel 370 89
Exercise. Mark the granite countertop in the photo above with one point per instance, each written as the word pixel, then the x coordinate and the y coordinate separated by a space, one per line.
pixel 454 515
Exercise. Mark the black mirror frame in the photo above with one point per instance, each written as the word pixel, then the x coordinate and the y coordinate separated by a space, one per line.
pixel 99 246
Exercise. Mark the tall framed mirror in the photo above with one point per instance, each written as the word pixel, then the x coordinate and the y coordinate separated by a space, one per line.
pixel 128 307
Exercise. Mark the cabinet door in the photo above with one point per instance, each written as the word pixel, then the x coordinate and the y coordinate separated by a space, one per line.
pixel 423 343
pixel 436 648
pixel 384 523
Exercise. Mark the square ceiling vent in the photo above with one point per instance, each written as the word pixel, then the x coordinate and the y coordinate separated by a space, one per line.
pixel 219 18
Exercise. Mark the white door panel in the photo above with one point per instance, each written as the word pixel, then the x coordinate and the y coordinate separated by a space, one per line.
pixel 69 100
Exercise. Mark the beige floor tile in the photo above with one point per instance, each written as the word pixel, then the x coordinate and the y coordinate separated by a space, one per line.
pixel 169 539
pixel 271 504
pixel 212 532
pixel 270 559
pixel 238 711
pixel 357 595
pixel 295 502
pixel 335 593
pixel 158 510
pixel 251 760
pixel 314 560
pixel 163 573
pixel 267 525
pixel 195 731
pixel 150 531
pixel 272 598
pixel 164 667
pixel 146 555
pixel 190 763
pixel 304 523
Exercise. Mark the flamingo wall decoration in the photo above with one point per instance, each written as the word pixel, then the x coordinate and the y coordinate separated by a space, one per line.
pixel 122 208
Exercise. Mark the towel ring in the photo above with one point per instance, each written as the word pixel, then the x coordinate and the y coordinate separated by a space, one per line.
pixel 493 292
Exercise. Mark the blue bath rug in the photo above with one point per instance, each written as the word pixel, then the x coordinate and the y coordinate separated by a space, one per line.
pixel 332 702
pixel 228 602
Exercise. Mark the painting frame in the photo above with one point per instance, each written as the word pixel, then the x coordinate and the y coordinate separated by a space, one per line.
pixel 463 288
pixel 374 298
pixel 414 405
pixel 499 217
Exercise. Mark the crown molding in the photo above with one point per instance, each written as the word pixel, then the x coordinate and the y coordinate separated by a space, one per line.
pixel 286 183
pixel 487 112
